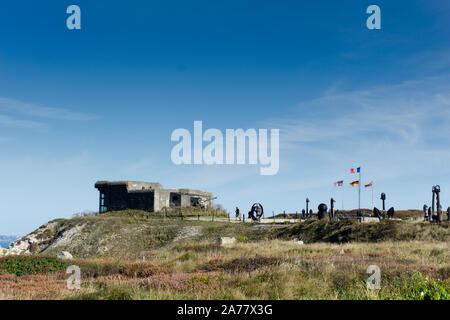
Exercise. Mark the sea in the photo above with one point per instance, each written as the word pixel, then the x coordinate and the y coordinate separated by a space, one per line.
pixel 4 244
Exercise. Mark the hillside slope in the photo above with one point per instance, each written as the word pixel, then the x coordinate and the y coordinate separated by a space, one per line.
pixel 131 234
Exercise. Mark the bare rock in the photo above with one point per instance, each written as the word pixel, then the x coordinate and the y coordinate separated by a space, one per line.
pixel 368 219
pixel 226 240
pixel 64 255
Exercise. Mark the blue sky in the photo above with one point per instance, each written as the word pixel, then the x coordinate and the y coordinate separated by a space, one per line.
pixel 101 103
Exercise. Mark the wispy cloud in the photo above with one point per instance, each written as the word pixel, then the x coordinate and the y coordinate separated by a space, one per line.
pixel 7 121
pixel 410 113
pixel 397 130
pixel 34 110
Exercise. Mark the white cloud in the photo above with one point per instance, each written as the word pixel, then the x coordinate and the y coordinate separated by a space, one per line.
pixel 7 121
pixel 33 110
pixel 394 131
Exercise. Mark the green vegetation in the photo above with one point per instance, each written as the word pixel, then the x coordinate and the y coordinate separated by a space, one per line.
pixel 127 255
pixel 49 233
pixel 127 234
pixel 351 230
pixel 25 265
pixel 241 238
pixel 421 288
pixel 283 270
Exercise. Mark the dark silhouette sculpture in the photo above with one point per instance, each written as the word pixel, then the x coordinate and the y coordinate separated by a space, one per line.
pixel 390 212
pixel 307 202
pixel 256 211
pixel 435 195
pixel 332 201
pixel 377 213
pixel 322 211
pixel 383 199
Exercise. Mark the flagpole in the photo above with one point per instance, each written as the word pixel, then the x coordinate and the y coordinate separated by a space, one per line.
pixel 359 190
pixel 372 194
pixel 342 195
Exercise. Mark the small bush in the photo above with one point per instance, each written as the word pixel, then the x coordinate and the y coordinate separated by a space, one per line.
pixel 242 238
pixel 200 279
pixel 49 233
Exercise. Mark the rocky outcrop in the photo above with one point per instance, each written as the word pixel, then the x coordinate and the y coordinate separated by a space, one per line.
pixel 48 235
pixel 223 241
pixel 64 255
pixel 24 245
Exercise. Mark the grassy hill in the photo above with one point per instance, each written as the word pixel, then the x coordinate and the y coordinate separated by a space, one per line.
pixel 136 255
pixel 130 233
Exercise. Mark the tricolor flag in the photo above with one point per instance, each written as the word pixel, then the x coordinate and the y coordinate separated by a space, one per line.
pixel 369 185
pixel 354 183
pixel 339 183
pixel 357 170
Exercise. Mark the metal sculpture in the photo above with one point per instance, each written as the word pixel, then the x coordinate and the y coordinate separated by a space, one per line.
pixel 435 195
pixel 303 214
pixel 425 212
pixel 322 211
pixel 307 202
pixel 377 213
pixel 256 211
pixel 390 212
pixel 332 201
pixel 383 198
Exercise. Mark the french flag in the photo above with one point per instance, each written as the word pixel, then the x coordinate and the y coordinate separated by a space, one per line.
pixel 357 170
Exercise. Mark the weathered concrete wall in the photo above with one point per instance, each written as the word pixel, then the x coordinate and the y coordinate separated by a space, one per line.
pixel 162 198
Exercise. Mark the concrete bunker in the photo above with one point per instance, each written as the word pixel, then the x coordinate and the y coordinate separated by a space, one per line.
pixel 148 196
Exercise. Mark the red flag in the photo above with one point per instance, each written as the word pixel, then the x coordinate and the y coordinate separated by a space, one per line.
pixel 369 185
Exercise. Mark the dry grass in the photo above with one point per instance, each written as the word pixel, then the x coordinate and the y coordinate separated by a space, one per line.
pixel 146 258
pixel 272 269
